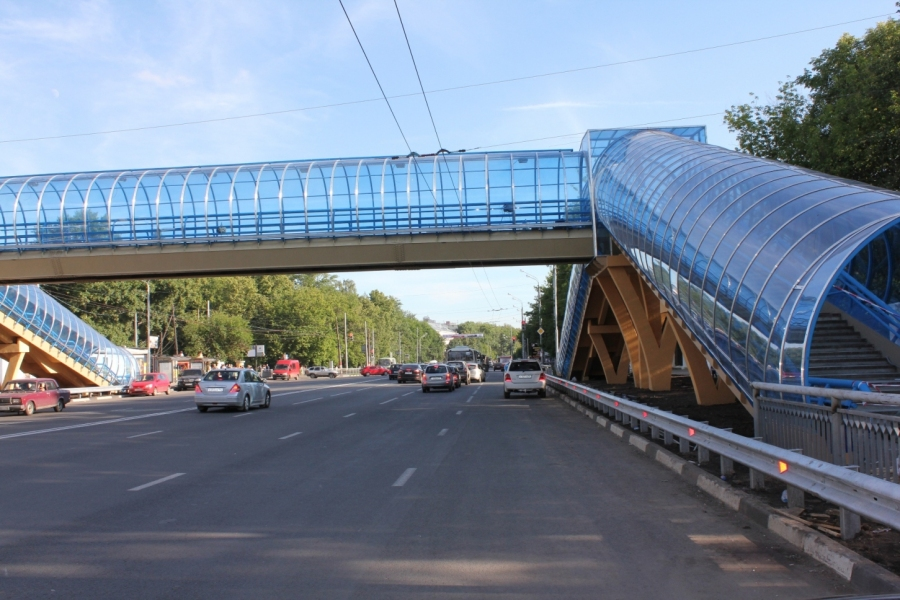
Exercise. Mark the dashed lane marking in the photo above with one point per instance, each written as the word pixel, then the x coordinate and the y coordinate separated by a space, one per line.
pixel 443 432
pixel 404 478
pixel 407 394
pixel 91 424
pixel 305 401
pixel 290 435
pixel 246 414
pixel 386 401
pixel 158 481
pixel 459 412
pixel 350 415
pixel 341 394
pixel 143 434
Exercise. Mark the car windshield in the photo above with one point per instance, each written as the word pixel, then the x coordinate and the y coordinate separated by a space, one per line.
pixel 524 365
pixel 222 376
pixel 147 377
pixel 436 369
pixel 282 366
pixel 19 386
pixel 457 364
pixel 191 373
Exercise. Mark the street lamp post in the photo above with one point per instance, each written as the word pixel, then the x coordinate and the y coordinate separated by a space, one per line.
pixel 522 317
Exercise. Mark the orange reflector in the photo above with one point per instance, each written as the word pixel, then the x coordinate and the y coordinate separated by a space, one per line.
pixel 691 431
pixel 644 414
pixel 782 466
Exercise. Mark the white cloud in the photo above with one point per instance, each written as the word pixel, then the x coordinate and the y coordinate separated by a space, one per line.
pixel 160 80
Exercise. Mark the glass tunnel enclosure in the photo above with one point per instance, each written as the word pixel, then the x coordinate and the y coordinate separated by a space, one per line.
pixel 38 312
pixel 290 200
pixel 745 250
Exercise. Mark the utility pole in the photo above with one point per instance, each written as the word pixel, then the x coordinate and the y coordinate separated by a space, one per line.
pixel 366 335
pixel 175 324
pixel 346 348
pixel 400 343
pixel 149 356
pixel 555 314
pixel 207 309
pixel 418 343
pixel 135 330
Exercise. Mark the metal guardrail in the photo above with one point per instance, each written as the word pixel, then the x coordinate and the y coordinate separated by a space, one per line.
pixel 855 493
pixel 833 393
pixel 97 391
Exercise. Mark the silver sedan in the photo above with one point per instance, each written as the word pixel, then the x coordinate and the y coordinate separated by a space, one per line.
pixel 232 388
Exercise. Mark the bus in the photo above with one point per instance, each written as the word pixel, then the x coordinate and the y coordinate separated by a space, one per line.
pixel 465 354
pixel 386 362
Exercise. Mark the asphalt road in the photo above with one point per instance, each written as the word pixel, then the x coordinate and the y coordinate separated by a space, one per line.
pixel 363 488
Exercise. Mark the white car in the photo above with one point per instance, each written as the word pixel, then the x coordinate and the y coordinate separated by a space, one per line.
pixel 314 372
pixel 524 376
pixel 475 372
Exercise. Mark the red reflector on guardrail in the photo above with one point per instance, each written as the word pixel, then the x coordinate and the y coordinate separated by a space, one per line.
pixel 644 414
pixel 782 466
pixel 617 402
pixel 691 431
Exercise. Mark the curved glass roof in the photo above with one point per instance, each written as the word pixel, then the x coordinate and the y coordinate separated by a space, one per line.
pixel 314 198
pixel 42 315
pixel 745 250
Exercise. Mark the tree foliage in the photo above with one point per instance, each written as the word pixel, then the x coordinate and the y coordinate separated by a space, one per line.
pixel 540 311
pixel 841 116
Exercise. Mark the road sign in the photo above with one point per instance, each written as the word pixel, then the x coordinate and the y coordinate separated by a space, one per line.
pixel 256 351
pixel 540 331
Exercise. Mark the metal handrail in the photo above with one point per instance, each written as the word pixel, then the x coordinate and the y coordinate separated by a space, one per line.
pixel 838 394
pixel 869 302
pixel 862 494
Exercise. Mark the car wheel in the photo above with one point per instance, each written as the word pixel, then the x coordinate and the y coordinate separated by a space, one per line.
pixel 153 391
pixel 203 408
pixel 424 390
pixel 506 394
pixel 268 400
pixel 60 405
pixel 332 375
pixel 542 394
pixel 312 375
pixel 365 374
pixel 246 404
pixel 29 409
pixel 168 391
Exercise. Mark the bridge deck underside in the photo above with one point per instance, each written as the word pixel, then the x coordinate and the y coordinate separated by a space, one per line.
pixel 414 251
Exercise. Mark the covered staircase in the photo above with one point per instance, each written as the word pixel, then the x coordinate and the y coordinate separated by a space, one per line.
pixel 839 352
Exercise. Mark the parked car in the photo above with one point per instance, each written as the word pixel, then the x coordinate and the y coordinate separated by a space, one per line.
pixel 411 372
pixel 149 384
pixel 393 370
pixel 314 372
pixel 188 379
pixel 232 388
pixel 524 376
pixel 25 396
pixel 475 372
pixel 373 370
pixel 438 377
pixel 461 369
pixel 287 369
pixel 501 363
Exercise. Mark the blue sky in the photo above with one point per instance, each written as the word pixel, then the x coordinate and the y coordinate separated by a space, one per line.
pixel 71 67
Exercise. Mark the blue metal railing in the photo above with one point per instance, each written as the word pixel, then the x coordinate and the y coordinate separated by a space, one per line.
pixel 856 300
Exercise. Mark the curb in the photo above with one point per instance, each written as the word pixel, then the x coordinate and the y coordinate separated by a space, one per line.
pixel 866 575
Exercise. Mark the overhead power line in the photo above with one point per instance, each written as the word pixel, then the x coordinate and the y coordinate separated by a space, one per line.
pixel 436 91
pixel 371 68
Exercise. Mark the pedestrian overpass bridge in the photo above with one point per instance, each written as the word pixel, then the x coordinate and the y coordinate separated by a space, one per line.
pixel 735 260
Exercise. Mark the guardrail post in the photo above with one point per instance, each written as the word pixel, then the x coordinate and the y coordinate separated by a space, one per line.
pixel 684 446
pixel 654 432
pixel 668 438
pixel 702 455
pixel 644 427
pixel 757 479
pixel 837 433
pixel 850 521
pixel 726 465
pixel 796 496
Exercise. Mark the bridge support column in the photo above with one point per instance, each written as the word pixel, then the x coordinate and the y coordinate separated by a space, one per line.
pixel 613 354
pixel 709 390
pixel 14 354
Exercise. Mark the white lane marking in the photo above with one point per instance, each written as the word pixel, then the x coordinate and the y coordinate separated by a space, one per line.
pixel 305 401
pixel 142 434
pixel 350 415
pixel 246 414
pixel 386 401
pixel 470 398
pixel 341 394
pixel 404 478
pixel 290 435
pixel 164 479
pixel 459 412
pixel 313 389
pixel 443 432
pixel 91 424
pixel 409 393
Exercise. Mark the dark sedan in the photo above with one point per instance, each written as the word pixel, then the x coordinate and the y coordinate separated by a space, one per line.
pixel 411 372
pixel 393 370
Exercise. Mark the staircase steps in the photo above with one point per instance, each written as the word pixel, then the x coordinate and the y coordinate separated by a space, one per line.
pixel 839 352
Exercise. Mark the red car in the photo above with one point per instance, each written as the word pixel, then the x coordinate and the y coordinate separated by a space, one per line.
pixel 149 385
pixel 373 370
pixel 25 396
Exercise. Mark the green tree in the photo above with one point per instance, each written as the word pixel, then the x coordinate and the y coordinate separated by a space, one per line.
pixel 540 313
pixel 227 337
pixel 841 116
